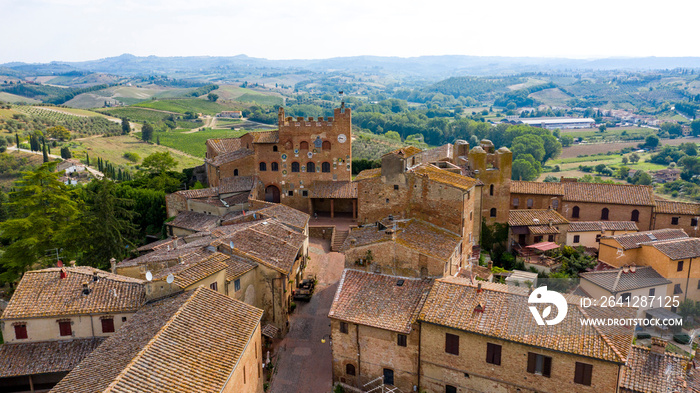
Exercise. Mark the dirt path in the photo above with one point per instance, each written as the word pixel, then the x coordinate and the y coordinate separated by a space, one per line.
pixel 94 172
pixel 207 122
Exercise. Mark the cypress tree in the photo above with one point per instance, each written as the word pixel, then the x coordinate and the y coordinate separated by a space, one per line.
pixel 87 159
pixel 17 141
pixel 46 153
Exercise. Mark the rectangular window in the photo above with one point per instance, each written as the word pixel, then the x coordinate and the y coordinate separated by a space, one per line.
pixel 305 193
pixel 652 291
pixel 538 239
pixel 680 266
pixel 597 238
pixel 214 286
pixel 107 325
pixel 401 340
pixel 450 389
pixel 396 186
pixel 677 289
pixel 64 328
pixel 550 238
pixel 577 238
pixel 583 373
pixel 693 222
pixel 244 375
pixel 21 332
pixel 290 192
pixel 625 297
pixel 516 202
pixel 237 285
pixel 344 327
pixel 674 220
pixel 539 364
pixel 451 344
pixel 493 354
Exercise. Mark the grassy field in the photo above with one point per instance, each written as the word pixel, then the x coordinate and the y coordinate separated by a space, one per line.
pixel 552 97
pixel 262 99
pixel 569 166
pixel 194 143
pixel 184 105
pixel 136 114
pixel 7 179
pixel 611 134
pixel 597 148
pixel 12 98
pixel 240 94
pixel 113 149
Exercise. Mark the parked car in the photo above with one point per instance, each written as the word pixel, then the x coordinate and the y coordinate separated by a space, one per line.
pixel 304 290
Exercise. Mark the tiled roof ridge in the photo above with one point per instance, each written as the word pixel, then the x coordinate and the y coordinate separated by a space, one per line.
pixel 252 228
pixel 151 341
pixel 617 280
pixel 668 241
pixel 672 354
pixel 261 261
pixel 102 274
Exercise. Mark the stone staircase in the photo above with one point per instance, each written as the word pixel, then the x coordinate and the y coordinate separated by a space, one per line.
pixel 338 239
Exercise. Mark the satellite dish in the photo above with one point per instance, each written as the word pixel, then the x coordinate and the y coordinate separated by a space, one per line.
pixel 230 244
pixel 149 275
pixel 170 278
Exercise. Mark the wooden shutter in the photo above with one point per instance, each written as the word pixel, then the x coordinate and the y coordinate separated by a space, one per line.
pixel 451 344
pixel 531 362
pixel 21 332
pixel 493 354
pixel 583 374
pixel 107 325
pixel 64 329
pixel 547 369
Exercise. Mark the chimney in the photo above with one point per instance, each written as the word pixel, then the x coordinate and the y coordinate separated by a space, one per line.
pixel 86 289
pixel 72 263
pixel 490 265
pixel 113 265
pixel 478 288
pixel 94 276
pixel 551 221
pixel 658 345
pixel 63 273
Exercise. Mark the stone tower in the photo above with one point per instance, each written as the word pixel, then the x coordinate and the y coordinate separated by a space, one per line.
pixel 494 168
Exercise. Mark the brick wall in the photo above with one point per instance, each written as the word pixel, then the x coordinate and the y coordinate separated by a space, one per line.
pixel 395 259
pixel 592 212
pixel 663 220
pixel 469 371
pixel 174 204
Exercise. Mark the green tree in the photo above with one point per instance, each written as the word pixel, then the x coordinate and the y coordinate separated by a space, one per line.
pixel 159 163
pixel 672 128
pixel 126 127
pixel 3 145
pixel 17 141
pixel 147 132
pixel 65 153
pixel 105 229
pixel 45 152
pixel 600 168
pixel 41 207
pixel 602 128
pixel 625 160
pixel 524 170
pixel 566 140
pixel 212 97
pixel 651 141
pixel 695 127
pixel 58 132
pixel 393 135
pixel 641 178
pixel 634 158
pixel 528 144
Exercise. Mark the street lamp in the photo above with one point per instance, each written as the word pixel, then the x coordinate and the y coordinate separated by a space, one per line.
pixel 328 338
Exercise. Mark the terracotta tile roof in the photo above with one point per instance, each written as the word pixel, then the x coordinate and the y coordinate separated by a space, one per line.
pixel 678 248
pixel 237 184
pixel 196 194
pixel 541 188
pixel 162 244
pixel 285 214
pixel 230 156
pixel 188 343
pixel 527 217
pixel 615 281
pixel 405 151
pixel 194 221
pixel 377 300
pixel 598 226
pixel 415 234
pixel 653 373
pixel 368 174
pixel 333 189
pixel 439 153
pixel 618 194
pixel 634 240
pixel 224 145
pixel 475 271
pixel 187 274
pixel 673 207
pixel 266 136
pixel 237 266
pixel 165 256
pixel 44 356
pixel 452 302
pixel 436 174
pixel 543 230
pixel 42 293
pixel 270 331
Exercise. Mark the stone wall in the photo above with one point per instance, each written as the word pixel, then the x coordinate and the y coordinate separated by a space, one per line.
pixel 247 377
pixel 321 232
pixel 592 212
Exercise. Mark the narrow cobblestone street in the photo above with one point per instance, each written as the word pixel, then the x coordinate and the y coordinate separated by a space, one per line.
pixel 304 363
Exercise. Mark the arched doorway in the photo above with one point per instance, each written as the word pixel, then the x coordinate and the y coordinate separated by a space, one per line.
pixel 272 194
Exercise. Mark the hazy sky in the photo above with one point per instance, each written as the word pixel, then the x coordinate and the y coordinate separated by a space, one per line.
pixel 70 30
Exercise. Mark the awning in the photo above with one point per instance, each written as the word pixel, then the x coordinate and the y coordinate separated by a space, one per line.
pixel 661 313
pixel 544 246
pixel 543 230
pixel 270 331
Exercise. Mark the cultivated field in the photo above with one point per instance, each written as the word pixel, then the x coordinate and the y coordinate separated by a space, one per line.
pixel 113 149
pixel 194 143
pixel 183 105
pixel 12 98
pixel 552 97
pixel 597 148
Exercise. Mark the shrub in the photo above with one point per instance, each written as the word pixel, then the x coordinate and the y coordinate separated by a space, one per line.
pixel 642 336
pixel 681 338
pixel 133 157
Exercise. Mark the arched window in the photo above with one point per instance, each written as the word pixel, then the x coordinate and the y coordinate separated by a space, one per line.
pixel 349 369
pixel 288 145
pixel 604 213
pixel 274 167
pixel 555 204
pixel 310 167
pixel 304 145
pixel 326 145
pixel 274 148
pixel 326 167
pixel 574 213
pixel 516 202
pixel 263 167
pixel 491 190
pixel 493 212
pixel 295 167
pixel 530 203
pixel 635 215
pixel 235 172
